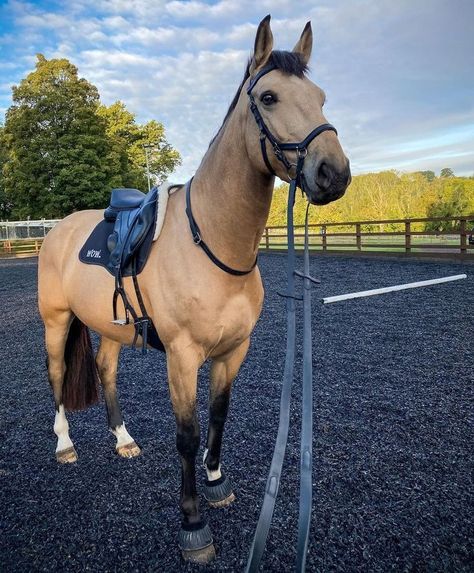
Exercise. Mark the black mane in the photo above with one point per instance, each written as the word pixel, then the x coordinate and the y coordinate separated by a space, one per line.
pixel 291 63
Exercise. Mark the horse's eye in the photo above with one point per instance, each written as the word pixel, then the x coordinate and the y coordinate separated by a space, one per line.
pixel 268 98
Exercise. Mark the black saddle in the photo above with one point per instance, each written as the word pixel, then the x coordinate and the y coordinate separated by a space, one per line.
pixel 123 199
pixel 121 243
pixel 134 216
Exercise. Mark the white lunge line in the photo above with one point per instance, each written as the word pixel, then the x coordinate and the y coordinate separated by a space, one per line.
pixel 330 299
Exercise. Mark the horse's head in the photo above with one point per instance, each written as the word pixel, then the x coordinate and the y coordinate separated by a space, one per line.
pixel 286 107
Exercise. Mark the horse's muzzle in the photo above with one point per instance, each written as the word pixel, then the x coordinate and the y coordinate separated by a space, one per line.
pixel 326 182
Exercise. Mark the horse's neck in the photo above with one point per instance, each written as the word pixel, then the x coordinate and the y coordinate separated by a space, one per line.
pixel 231 201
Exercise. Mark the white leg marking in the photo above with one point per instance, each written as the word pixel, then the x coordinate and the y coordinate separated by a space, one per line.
pixel 211 474
pixel 123 437
pixel 61 429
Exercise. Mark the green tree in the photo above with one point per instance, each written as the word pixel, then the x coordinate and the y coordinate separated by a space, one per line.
pixel 453 205
pixel 385 195
pixel 5 201
pixel 446 172
pixel 127 152
pixel 428 175
pixel 57 145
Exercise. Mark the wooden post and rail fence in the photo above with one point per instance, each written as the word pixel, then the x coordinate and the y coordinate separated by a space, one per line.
pixel 391 236
pixel 20 247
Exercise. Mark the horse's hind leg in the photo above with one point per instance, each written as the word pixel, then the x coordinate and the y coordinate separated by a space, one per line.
pixel 107 360
pixel 56 331
pixel 218 489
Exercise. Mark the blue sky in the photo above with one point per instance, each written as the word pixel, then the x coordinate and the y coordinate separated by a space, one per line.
pixel 399 76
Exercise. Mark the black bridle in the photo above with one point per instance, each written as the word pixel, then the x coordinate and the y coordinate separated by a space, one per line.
pixel 279 148
pixel 301 148
pixel 273 480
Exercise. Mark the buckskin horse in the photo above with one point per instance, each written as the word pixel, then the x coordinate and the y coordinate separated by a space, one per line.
pixel 204 302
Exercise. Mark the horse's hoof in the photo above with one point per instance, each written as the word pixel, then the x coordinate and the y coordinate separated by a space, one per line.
pixel 67 456
pixel 201 556
pixel 219 492
pixel 130 450
pixel 196 543
pixel 223 502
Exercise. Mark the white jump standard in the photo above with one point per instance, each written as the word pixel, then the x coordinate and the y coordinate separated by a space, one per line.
pixel 376 291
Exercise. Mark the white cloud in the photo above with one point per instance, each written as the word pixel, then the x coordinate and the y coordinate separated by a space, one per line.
pixel 116 23
pixel 396 73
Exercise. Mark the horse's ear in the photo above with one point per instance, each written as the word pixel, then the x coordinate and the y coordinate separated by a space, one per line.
pixel 305 44
pixel 263 45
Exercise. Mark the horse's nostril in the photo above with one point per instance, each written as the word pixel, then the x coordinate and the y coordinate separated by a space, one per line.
pixel 324 175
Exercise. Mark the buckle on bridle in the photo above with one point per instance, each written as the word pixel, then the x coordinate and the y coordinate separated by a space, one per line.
pixel 277 151
pixel 286 295
pixel 302 152
pixel 197 240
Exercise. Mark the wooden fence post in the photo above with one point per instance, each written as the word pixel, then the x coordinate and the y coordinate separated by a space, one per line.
pixel 463 237
pixel 407 237
pixel 358 237
pixel 325 240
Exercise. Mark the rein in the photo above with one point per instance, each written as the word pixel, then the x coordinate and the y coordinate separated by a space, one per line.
pixel 306 462
pixel 273 480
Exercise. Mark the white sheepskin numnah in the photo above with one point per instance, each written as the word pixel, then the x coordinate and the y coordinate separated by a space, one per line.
pixel 166 189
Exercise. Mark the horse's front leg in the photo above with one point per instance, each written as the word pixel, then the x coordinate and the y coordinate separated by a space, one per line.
pixel 195 538
pixel 218 489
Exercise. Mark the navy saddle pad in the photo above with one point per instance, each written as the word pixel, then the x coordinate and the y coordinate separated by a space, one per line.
pixel 121 242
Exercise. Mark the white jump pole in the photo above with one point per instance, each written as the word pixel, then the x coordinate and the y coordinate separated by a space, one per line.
pixel 375 291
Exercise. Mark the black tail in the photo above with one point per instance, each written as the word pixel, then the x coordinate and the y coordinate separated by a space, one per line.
pixel 81 380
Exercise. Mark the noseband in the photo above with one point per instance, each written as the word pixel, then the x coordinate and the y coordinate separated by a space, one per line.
pixel 301 148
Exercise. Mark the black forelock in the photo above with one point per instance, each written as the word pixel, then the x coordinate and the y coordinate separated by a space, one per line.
pixel 291 63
